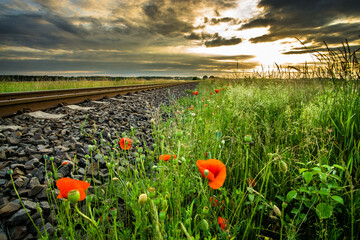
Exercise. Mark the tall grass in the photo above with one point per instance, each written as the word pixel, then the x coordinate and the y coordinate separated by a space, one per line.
pixel 9 86
pixel 291 151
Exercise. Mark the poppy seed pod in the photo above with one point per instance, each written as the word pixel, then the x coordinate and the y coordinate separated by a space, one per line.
pixel 162 215
pixel 142 199
pixel 74 196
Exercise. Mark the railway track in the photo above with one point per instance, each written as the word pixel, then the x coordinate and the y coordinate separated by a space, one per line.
pixel 18 102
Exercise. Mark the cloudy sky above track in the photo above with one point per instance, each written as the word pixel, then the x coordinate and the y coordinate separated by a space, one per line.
pixel 168 37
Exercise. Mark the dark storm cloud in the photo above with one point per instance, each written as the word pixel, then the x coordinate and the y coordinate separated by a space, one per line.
pixel 215 21
pixel 309 20
pixel 220 41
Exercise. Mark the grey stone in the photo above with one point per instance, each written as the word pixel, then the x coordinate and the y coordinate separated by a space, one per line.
pixel 18 232
pixel 9 209
pixel 30 204
pixel 35 190
pixel 45 206
pixel 48 228
pixel 13 140
pixel 34 181
pixel 17 218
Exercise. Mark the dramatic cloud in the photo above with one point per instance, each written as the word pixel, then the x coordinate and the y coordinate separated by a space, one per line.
pixel 312 21
pixel 220 41
pixel 165 37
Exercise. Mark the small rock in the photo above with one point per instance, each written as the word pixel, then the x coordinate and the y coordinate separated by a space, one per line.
pixel 9 209
pixel 48 228
pixel 36 189
pixel 18 217
pixel 18 232
pixel 34 181
pixel 13 140
pixel 30 204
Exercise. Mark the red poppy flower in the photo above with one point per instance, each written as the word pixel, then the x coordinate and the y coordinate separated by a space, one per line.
pixel 191 109
pixel 210 93
pixel 222 223
pixel 217 172
pixel 164 157
pixel 175 156
pixel 194 93
pixel 64 163
pixel 251 182
pixel 125 143
pixel 205 104
pixel 65 185
pixel 202 99
pixel 206 154
pixel 217 90
pixel 215 201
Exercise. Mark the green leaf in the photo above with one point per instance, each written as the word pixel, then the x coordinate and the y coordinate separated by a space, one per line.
pixel 324 191
pixel 323 176
pixel 338 166
pixel 308 177
pixel 324 210
pixel 291 195
pixel 316 169
pixel 338 199
pixel 301 170
pixel 251 197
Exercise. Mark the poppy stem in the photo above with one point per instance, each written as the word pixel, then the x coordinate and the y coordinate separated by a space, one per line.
pixel 185 231
pixel 89 219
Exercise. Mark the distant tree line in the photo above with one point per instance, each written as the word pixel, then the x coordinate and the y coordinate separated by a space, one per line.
pixel 29 78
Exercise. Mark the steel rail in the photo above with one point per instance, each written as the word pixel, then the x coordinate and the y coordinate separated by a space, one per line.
pixel 13 103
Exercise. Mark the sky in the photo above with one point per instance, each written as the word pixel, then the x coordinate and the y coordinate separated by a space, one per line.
pixel 168 37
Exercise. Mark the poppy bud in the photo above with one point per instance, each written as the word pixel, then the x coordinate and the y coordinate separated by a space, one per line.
pixel 205 210
pixel 204 225
pixel 162 215
pixel 152 192
pixel 45 156
pixel 284 205
pixel 283 166
pixel 164 204
pixel 10 172
pixel 206 173
pixel 52 158
pixel 248 138
pixel 140 149
pixel 277 211
pixel 74 196
pixel 156 201
pixel 154 145
pixel 179 133
pixel 142 199
pixel 113 212
pixel 128 185
pixel 49 174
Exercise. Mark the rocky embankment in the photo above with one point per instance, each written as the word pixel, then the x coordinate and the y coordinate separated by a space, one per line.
pixel 65 134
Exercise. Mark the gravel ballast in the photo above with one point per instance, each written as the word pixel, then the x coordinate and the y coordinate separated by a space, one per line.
pixel 65 133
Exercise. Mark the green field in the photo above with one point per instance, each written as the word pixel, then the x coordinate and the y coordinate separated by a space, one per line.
pixel 287 167
pixel 17 86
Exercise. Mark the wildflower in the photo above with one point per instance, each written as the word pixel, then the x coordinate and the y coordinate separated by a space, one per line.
pixel 251 182
pixel 205 104
pixel 217 172
pixel 214 202
pixel 164 157
pixel 222 223
pixel 65 185
pixel 206 154
pixel 210 93
pixel 191 108
pixel 202 99
pixel 217 90
pixel 194 93
pixel 125 143
pixel 64 163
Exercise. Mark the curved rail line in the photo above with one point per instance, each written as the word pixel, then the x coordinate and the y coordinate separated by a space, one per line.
pixel 17 102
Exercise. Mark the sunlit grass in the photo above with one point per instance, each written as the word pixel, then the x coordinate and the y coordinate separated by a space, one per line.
pixel 291 153
pixel 62 84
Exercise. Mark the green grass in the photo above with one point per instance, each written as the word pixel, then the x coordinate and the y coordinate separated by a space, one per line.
pixel 291 151
pixel 8 86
